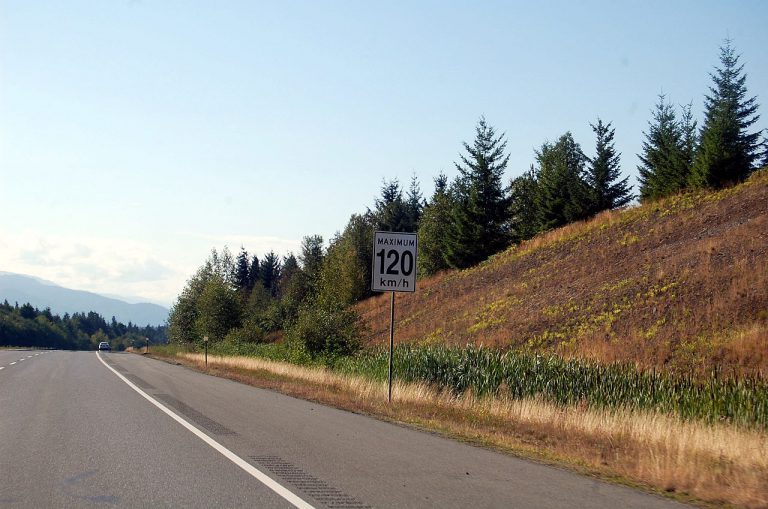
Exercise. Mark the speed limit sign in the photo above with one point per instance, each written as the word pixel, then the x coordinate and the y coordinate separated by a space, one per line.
pixel 394 262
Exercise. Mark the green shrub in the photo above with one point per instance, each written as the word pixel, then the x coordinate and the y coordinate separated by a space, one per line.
pixel 250 332
pixel 326 330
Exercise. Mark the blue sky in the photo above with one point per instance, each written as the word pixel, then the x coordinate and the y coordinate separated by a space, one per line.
pixel 137 135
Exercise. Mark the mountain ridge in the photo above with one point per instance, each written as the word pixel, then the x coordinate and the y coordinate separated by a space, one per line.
pixel 40 293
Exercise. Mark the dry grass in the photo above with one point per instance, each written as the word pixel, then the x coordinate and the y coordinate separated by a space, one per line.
pixel 713 463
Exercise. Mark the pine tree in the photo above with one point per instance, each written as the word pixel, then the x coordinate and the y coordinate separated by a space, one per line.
pixel 523 212
pixel 241 278
pixel 563 195
pixel 254 273
pixel 289 270
pixel 728 153
pixel 433 229
pixel 391 210
pixel 764 160
pixel 603 172
pixel 479 226
pixel 414 205
pixel 663 170
pixel 688 137
pixel 270 272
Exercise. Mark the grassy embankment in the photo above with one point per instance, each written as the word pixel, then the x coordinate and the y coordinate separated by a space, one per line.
pixel 637 343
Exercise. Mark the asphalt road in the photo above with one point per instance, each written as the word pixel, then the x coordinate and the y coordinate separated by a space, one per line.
pixel 75 434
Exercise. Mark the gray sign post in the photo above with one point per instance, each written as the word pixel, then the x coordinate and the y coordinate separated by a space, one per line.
pixel 394 270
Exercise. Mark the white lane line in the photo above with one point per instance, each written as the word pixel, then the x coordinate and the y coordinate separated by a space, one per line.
pixel 234 458
pixel 21 359
pixel 14 362
pixel 2 367
pixel 29 356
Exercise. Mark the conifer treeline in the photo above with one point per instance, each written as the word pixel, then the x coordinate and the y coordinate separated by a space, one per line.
pixel 468 219
pixel 28 326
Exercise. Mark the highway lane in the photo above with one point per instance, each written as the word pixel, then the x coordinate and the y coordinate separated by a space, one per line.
pixel 74 435
pixel 79 434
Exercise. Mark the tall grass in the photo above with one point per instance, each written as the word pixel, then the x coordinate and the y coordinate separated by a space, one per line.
pixel 742 401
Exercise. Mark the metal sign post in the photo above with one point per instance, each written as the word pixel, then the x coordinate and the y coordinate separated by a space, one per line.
pixel 391 342
pixel 394 270
pixel 205 340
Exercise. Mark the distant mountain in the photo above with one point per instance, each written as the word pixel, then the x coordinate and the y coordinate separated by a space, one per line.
pixel 41 294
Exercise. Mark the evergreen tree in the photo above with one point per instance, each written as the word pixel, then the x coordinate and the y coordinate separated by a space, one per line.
pixel 728 153
pixel 523 211
pixel 663 170
pixel 311 259
pixel 688 137
pixel 603 172
pixel 241 277
pixel 27 311
pixel 254 273
pixel 764 161
pixel 302 283
pixel 270 272
pixel 414 206
pixel 391 210
pixel 433 229
pixel 289 270
pixel 563 196
pixel 479 226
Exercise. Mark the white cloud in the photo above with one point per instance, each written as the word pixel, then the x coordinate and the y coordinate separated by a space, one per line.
pixel 100 264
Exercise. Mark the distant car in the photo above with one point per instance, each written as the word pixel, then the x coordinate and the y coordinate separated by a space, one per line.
pixel 104 346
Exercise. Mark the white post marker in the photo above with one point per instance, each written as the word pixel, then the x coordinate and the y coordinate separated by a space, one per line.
pixel 394 270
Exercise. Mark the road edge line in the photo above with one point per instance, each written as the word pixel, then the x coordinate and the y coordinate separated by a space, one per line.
pixel 270 483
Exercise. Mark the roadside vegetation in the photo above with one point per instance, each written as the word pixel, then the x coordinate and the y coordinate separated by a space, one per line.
pixel 27 326
pixel 552 317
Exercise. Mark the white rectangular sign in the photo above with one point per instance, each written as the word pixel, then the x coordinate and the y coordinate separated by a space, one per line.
pixel 394 262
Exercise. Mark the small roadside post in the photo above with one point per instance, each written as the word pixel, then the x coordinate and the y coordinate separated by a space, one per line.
pixel 147 345
pixel 205 340
pixel 394 270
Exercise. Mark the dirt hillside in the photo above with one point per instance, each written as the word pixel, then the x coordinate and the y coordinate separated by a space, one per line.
pixel 681 283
